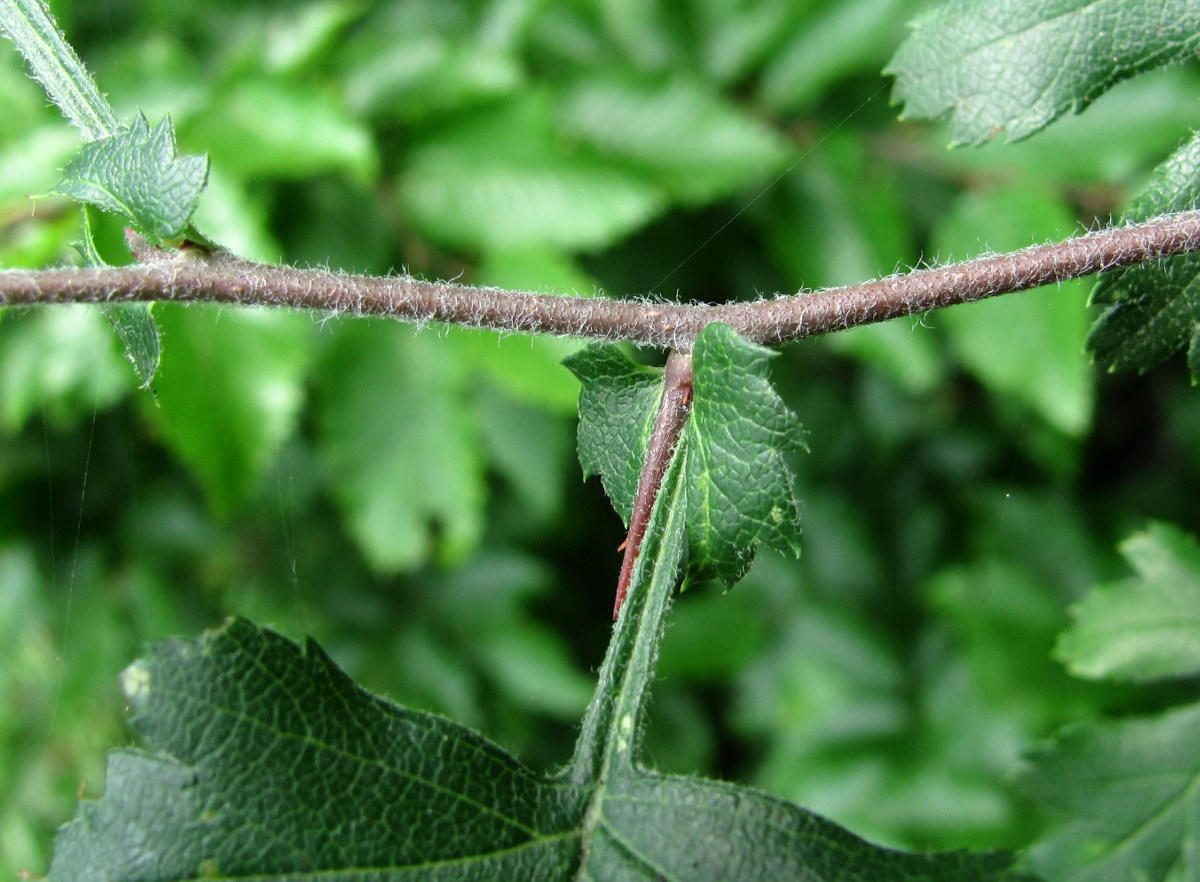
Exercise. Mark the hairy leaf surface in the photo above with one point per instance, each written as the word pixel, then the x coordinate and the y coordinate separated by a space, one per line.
pixel 137 173
pixel 1147 626
pixel 1015 67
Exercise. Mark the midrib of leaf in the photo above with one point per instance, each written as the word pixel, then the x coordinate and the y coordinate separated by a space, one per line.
pixel 612 722
pixel 56 66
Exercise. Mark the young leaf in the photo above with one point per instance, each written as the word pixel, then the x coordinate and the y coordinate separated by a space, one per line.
pixel 137 173
pixel 1144 627
pixel 267 760
pixel 739 483
pixel 1154 310
pixel 739 486
pixel 135 325
pixel 960 61
pixel 617 402
pixel 1130 789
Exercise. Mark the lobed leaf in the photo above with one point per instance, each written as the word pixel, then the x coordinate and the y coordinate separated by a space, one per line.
pixel 268 761
pixel 1015 67
pixel 1132 791
pixel 136 172
pixel 1147 626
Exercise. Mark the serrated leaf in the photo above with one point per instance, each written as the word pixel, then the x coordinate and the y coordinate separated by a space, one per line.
pixel 690 139
pixel 739 483
pixel 1154 309
pixel 1131 791
pixel 1144 627
pixel 739 486
pixel 398 440
pixel 1014 67
pixel 137 173
pixel 230 386
pixel 135 326
pixel 500 178
pixel 267 760
pixel 617 403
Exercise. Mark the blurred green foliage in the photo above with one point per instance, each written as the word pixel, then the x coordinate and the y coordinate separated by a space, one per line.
pixel 412 499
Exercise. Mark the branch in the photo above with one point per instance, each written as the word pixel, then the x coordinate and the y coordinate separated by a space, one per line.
pixel 193 275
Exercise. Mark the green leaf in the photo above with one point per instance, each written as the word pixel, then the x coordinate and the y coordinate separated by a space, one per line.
pixel 1028 347
pixel 1015 67
pixel 264 127
pixel 244 723
pixel 691 140
pixel 1154 310
pixel 399 442
pixel 59 361
pixel 230 388
pixel 137 173
pixel 1130 791
pixel 739 483
pixel 500 178
pixel 617 404
pixel 840 39
pixel 135 326
pixel 1144 627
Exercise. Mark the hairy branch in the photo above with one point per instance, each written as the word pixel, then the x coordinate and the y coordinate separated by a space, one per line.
pixel 194 275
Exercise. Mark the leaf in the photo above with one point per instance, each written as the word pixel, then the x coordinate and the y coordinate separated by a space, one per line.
pixel 1130 790
pixel 230 388
pixel 617 404
pixel 691 140
pixel 739 482
pixel 264 127
pixel 1015 67
pixel 838 40
pixel 1147 626
pixel 267 760
pixel 1154 309
pixel 137 173
pixel 739 486
pixel 135 326
pixel 499 179
pixel 398 440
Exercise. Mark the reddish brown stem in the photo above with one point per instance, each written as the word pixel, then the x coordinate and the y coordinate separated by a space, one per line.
pixel 673 409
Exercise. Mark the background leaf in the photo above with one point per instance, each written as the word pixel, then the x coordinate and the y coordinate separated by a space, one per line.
pixel 1130 789
pixel 1143 627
